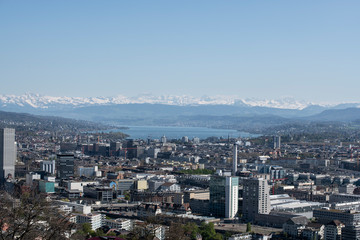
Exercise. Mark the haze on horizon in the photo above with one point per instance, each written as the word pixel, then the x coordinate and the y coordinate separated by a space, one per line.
pixel 251 49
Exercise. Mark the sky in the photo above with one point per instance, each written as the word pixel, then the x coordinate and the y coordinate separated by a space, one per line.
pixel 308 50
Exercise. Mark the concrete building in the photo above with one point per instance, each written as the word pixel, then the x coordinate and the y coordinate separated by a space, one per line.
pixel 347 188
pixel 141 184
pixel 94 219
pixel 256 198
pixel 48 166
pixel 148 210
pixel 350 219
pixel 294 226
pixel 75 207
pixel 101 193
pixel 333 230
pixel 118 224
pixel 277 142
pixel 235 160
pixel 196 194
pixel 65 166
pixel 89 171
pixel 343 197
pixel 170 187
pixel 30 177
pixel 7 153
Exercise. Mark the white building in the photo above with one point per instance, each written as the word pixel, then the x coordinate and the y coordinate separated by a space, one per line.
pixel 231 197
pixel 119 224
pixel 75 207
pixel 333 230
pixel 48 166
pixel 75 186
pixel 30 177
pixel 94 219
pixel 7 153
pixel 170 187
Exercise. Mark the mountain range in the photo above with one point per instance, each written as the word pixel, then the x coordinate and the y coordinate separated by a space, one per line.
pixel 214 111
pixel 40 101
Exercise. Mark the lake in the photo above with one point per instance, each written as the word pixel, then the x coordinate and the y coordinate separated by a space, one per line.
pixel 156 132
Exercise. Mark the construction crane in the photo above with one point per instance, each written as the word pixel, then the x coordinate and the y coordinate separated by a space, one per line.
pixel 125 150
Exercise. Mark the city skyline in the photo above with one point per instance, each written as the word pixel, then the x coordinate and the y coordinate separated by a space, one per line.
pixel 249 49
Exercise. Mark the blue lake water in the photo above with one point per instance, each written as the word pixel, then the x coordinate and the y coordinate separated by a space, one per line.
pixel 156 132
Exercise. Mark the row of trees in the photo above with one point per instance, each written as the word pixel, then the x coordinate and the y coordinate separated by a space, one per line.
pixel 30 216
pixel 177 231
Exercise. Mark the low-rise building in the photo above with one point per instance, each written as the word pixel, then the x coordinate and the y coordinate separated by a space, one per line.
pixel 333 230
pixel 294 226
pixel 119 224
pixel 94 219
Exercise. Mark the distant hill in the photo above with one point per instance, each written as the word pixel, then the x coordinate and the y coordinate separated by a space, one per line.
pixel 25 121
pixel 337 115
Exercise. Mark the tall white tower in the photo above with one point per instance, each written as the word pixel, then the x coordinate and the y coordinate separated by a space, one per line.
pixel 7 153
pixel 231 197
pixel 235 160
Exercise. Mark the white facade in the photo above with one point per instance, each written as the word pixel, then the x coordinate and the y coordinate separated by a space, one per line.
pixel 75 186
pixel 30 177
pixel 48 166
pixel 119 224
pixel 95 220
pixel 231 197
pixel 235 159
pixel 76 207
pixel 7 153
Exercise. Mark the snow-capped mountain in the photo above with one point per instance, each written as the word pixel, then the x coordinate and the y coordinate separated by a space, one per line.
pixel 44 102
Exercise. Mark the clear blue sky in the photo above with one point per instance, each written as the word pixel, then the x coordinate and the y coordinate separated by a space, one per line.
pixel 265 49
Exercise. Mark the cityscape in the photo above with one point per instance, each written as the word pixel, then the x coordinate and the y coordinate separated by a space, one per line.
pixel 169 120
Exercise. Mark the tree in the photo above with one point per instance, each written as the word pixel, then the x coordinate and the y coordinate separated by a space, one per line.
pixel 31 216
pixel 191 230
pixel 177 232
pixel 248 227
pixel 208 232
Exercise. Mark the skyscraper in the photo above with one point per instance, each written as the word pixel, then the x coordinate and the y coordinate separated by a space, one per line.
pixel 7 153
pixel 235 160
pixel 224 196
pixel 277 142
pixel 65 166
pixel 256 198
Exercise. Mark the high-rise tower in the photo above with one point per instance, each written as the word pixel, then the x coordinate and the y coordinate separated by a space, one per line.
pixel 7 153
pixel 224 196
pixel 256 197
pixel 234 160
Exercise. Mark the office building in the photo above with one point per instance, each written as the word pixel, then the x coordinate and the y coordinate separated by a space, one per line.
pixel 65 166
pixel 48 166
pixel 235 160
pixel 224 196
pixel 7 153
pixel 277 142
pixel 350 219
pixel 256 197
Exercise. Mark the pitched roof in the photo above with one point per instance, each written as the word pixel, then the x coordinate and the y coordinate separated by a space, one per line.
pixel 300 220
pixel 335 223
